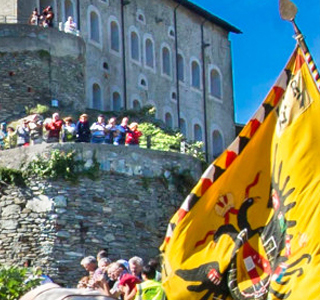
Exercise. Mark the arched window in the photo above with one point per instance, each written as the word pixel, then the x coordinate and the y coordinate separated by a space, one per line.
pixel 143 82
pixel 166 61
pixel 197 131
pixel 217 143
pixel 180 68
pixel 183 127
pixel 136 104
pixel 171 33
pixel 168 120
pixel 96 96
pixel 114 36
pixel 140 17
pixel 94 27
pixel 69 10
pixel 215 84
pixel 195 74
pixel 116 101
pixel 134 46
pixel 149 53
pixel 105 66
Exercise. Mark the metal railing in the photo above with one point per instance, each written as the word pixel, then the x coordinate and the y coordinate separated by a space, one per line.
pixel 5 19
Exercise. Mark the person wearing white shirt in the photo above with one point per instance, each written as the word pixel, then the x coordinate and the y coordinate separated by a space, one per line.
pixel 70 26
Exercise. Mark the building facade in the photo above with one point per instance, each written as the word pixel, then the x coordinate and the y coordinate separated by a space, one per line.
pixel 168 53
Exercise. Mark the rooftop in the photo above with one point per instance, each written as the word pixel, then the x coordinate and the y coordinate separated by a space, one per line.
pixel 208 15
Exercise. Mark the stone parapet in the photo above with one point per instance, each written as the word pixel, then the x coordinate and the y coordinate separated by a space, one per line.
pixel 119 159
pixel 54 224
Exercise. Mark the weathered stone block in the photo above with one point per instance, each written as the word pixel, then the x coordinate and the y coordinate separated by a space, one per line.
pixel 39 205
pixel 60 201
pixel 11 210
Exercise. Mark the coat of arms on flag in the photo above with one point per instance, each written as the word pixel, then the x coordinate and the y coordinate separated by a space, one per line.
pixel 249 228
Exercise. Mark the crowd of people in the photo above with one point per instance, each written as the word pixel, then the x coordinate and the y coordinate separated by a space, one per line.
pixel 45 19
pixel 34 130
pixel 122 279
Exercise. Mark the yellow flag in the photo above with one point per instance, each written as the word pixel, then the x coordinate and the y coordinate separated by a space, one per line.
pixel 249 228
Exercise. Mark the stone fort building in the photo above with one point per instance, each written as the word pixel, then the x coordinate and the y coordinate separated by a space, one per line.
pixel 171 54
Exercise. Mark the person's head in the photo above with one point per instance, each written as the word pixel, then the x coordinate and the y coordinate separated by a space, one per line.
pixel 55 116
pixel 35 118
pixel 25 122
pixel 148 272
pixel 125 121
pixel 10 129
pixel 110 270
pixel 133 126
pixel 84 280
pixel 27 262
pixel 104 262
pixel 84 118
pixel 102 254
pixel 112 121
pixel 68 120
pixel 101 119
pixel 89 263
pixel 124 263
pixel 70 19
pixel 136 265
pixel 154 263
pixel 114 270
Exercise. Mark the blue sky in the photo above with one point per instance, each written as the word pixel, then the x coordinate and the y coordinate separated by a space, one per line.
pixel 262 50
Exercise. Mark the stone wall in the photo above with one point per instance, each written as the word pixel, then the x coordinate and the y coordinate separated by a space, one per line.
pixel 36 69
pixel 56 223
pixel 118 159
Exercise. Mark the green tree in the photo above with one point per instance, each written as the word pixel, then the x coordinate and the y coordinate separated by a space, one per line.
pixel 13 282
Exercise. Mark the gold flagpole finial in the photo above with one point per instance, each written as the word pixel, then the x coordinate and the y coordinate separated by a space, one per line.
pixel 288 12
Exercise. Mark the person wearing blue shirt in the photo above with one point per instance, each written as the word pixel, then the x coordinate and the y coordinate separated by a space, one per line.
pixel 122 130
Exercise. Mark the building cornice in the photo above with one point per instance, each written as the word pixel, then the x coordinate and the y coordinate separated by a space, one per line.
pixel 208 15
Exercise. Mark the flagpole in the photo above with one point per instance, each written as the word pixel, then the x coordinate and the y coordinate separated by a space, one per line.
pixel 288 11
pixel 303 45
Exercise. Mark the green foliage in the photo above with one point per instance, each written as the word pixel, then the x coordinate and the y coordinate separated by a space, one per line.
pixel 146 182
pixel 13 282
pixel 57 164
pixel 196 149
pixel 169 140
pixel 39 109
pixel 12 176
pixel 44 54
pixel 159 139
